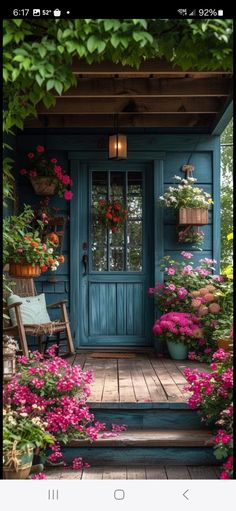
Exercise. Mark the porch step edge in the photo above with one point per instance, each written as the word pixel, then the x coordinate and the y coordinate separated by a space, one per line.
pixel 151 438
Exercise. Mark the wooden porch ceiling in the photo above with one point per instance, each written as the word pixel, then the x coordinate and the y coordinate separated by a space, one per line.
pixel 156 95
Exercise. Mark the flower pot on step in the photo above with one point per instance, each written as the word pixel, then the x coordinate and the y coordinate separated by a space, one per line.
pixel 17 463
pixel 24 270
pixel 44 185
pixel 193 216
pixel 177 351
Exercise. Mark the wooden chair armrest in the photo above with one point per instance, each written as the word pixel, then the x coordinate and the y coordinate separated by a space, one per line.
pixel 16 304
pixel 56 304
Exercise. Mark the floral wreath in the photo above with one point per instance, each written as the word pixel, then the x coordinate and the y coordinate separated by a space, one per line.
pixel 112 214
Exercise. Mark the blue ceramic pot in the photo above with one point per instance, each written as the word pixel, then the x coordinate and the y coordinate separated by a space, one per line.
pixel 177 351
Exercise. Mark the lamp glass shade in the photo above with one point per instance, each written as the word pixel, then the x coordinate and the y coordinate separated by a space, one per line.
pixel 117 147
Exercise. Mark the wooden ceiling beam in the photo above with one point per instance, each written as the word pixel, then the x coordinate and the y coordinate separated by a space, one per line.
pixel 123 106
pixel 129 121
pixel 146 87
pixel 153 67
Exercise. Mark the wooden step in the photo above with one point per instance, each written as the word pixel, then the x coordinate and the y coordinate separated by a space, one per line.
pixel 151 438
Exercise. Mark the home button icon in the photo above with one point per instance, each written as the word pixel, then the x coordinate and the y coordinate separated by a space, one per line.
pixel 119 494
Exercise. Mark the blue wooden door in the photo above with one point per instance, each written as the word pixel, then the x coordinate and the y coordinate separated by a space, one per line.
pixel 116 267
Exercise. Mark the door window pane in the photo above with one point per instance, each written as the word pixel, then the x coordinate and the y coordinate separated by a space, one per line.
pixel 121 250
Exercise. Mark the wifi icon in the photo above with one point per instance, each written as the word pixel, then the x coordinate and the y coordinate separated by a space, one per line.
pixel 183 12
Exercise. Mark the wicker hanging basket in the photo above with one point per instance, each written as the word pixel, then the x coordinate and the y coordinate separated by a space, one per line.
pixel 24 270
pixel 44 185
pixel 192 216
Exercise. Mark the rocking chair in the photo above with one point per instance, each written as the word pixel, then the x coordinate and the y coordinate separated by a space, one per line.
pixel 24 288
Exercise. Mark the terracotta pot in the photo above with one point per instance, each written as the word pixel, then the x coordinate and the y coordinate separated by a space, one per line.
pixel 24 270
pixel 193 216
pixel 44 185
pixel 17 463
pixel 226 344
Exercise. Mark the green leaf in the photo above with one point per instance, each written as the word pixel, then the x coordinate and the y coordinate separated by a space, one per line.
pixel 92 43
pixel 58 86
pixel 19 58
pixel 108 25
pixel 5 74
pixel 42 51
pixel 61 49
pixel 39 79
pixel 7 38
pixel 50 84
pixel 15 74
pixel 67 33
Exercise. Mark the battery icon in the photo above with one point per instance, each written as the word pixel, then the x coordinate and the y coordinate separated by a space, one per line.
pixel 220 12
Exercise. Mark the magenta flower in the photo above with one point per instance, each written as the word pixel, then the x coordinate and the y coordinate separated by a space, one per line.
pixel 40 149
pixel 68 195
pixel 187 255
pixel 170 270
pixel 23 172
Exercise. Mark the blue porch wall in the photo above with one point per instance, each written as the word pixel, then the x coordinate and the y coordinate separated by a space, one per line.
pixel 166 152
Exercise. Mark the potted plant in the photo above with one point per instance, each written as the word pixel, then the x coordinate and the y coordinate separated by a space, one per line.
pixel 24 249
pixel 223 333
pixel 191 235
pixel 22 433
pixel 46 176
pixel 178 329
pixel 191 202
pixel 112 214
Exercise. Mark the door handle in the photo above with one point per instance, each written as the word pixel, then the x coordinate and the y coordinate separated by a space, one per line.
pixel 85 262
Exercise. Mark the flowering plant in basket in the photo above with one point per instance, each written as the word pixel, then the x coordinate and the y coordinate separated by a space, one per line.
pixel 191 235
pixel 185 195
pixel 30 249
pixel 40 165
pixel 112 214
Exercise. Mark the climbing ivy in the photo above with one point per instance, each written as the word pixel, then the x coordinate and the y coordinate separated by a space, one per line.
pixel 38 54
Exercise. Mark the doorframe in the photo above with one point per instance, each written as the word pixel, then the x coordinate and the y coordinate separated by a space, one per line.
pixel 78 161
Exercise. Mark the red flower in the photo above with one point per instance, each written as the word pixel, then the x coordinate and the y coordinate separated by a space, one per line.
pixel 53 160
pixel 109 216
pixel 40 149
pixel 30 155
pixel 68 195
pixel 23 172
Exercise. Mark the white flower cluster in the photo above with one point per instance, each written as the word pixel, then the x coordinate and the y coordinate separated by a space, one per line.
pixel 185 195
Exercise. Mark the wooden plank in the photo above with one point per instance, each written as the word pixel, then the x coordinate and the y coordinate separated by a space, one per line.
pixel 147 106
pixel 136 472
pixel 97 385
pixel 154 386
pixel 92 473
pixel 55 473
pixel 79 359
pixel 151 438
pixel 156 473
pixel 177 472
pixel 114 473
pixel 201 472
pixel 145 87
pixel 151 66
pixel 126 390
pixel 128 120
pixel 111 390
pixel 174 371
pixel 139 384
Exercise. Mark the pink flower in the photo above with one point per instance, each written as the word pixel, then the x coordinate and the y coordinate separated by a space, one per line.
pixel 214 308
pixel 54 160
pixel 182 292
pixel 224 475
pixel 187 255
pixel 151 290
pixel 171 287
pixel 57 169
pixel 40 149
pixel 23 172
pixel 187 270
pixel 32 173
pixel 42 475
pixel 66 180
pixel 192 355
pixel 30 155
pixel 68 195
pixel 170 271
pixel 221 355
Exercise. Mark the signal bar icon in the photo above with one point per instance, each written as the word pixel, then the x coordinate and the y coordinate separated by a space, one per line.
pixel 183 12
pixel 193 13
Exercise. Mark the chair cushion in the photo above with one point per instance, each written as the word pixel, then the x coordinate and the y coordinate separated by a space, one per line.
pixel 33 309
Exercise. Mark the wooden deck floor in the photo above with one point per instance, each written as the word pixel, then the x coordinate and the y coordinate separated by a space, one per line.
pixel 142 379
pixel 133 472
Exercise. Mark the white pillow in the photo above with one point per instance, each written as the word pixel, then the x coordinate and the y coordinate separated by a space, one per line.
pixel 33 309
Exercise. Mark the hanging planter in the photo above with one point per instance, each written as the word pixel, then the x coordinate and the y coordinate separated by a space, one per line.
pixel 44 185
pixel 193 216
pixel 24 270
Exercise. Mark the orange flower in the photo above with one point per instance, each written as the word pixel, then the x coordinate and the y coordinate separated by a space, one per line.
pixel 109 216
pixel 214 308
pixel 195 293
pixel 195 303
pixel 203 291
pixel 210 288
pixel 34 244
pixel 209 297
pixel 61 258
pixel 53 238
pixel 203 310
pixel 49 261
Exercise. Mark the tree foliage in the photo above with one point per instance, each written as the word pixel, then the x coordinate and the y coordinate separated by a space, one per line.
pixel 38 54
pixel 226 194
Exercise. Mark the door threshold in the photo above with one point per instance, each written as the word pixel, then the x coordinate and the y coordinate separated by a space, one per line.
pixel 125 349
